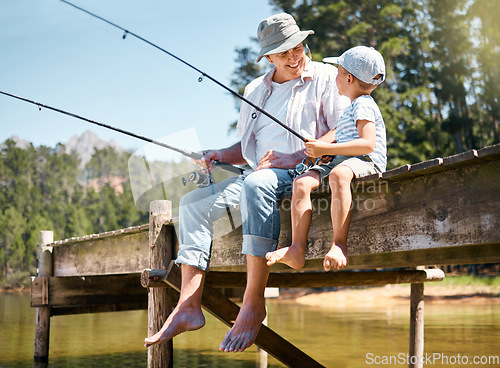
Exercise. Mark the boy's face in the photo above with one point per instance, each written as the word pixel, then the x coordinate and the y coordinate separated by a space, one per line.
pixel 289 64
pixel 343 80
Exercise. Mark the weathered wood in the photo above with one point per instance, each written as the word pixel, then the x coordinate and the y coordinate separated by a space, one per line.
pixel 462 159
pixel 226 311
pixel 416 351
pixel 491 153
pixel 155 278
pixel 42 324
pixel 117 254
pixel 160 255
pixel 454 212
pixel 141 304
pixel 88 291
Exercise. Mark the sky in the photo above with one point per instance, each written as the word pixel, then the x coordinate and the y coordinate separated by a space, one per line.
pixel 62 57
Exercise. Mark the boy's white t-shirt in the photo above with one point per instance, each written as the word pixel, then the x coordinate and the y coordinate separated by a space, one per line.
pixel 268 133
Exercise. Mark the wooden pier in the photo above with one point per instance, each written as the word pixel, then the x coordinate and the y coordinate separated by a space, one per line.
pixel 445 211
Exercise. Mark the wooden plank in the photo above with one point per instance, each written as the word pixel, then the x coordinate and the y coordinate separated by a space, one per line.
pixel 226 311
pixel 118 254
pixel 428 167
pixel 141 304
pixel 155 278
pixel 491 153
pixel 88 291
pixel 462 159
pixel 398 173
pixel 448 209
pixel 368 178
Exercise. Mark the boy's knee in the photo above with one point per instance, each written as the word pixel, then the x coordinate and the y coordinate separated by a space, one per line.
pixel 306 183
pixel 302 185
pixel 340 176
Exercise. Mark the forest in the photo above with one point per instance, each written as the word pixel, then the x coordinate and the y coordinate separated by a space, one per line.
pixel 441 97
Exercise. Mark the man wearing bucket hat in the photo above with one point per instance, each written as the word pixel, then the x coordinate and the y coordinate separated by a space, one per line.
pixel 360 150
pixel 300 93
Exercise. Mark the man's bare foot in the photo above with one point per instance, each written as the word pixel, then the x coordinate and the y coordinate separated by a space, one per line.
pixel 336 258
pixel 245 329
pixel 293 256
pixel 179 321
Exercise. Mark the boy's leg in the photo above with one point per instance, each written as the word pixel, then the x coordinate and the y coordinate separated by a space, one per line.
pixel 301 215
pixel 187 315
pixel 340 185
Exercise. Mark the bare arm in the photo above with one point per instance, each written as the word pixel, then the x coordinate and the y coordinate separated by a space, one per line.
pixel 363 145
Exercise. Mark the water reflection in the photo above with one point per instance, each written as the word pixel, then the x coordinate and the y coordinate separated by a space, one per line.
pixel 337 336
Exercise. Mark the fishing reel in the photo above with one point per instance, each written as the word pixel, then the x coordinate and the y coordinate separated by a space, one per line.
pixel 306 164
pixel 201 179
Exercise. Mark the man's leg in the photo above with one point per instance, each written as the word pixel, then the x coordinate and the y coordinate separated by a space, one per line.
pixel 261 226
pixel 253 311
pixel 187 315
pixel 197 212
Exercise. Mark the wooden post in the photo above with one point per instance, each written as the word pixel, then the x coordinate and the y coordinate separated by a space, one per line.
pixel 159 306
pixel 42 328
pixel 416 326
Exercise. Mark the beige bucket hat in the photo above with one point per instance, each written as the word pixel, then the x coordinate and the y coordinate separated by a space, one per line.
pixel 279 33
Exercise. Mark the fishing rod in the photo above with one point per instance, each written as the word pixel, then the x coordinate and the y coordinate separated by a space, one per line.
pixel 127 32
pixel 183 152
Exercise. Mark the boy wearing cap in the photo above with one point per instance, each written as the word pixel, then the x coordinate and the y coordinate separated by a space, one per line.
pixel 300 93
pixel 360 150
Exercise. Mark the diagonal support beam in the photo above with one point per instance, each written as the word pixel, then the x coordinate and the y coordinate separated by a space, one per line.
pixel 226 311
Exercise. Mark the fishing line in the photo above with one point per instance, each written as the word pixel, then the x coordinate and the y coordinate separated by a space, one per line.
pixel 202 74
pixel 183 152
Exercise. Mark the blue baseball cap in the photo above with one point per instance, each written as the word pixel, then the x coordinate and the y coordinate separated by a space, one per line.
pixel 365 63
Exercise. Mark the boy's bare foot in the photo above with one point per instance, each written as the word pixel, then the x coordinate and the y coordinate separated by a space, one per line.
pixel 293 256
pixel 336 258
pixel 179 321
pixel 245 329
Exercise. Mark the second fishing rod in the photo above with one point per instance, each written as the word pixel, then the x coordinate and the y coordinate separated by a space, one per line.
pixel 203 74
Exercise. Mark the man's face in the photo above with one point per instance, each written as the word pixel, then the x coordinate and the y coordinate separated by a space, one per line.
pixel 289 64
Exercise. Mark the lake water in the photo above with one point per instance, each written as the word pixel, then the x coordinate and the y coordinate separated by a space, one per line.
pixel 357 336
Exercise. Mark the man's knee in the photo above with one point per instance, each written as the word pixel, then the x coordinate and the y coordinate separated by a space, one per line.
pixel 258 183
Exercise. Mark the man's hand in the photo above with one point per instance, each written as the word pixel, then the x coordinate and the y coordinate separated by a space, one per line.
pixel 207 161
pixel 278 160
pixel 316 148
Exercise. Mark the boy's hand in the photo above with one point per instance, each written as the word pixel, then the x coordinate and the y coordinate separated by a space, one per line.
pixel 316 148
